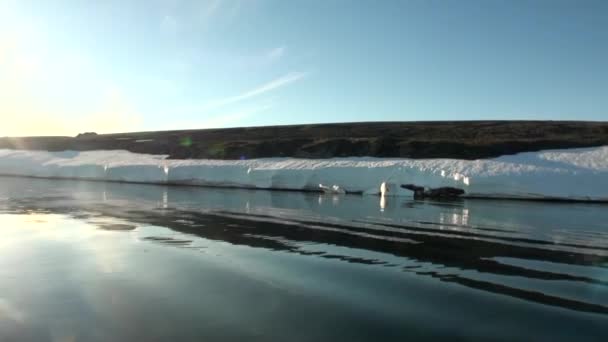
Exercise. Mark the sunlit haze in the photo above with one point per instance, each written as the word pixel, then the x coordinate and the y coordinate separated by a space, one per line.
pixel 113 66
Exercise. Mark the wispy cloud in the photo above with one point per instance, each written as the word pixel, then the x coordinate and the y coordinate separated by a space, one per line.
pixel 263 59
pixel 276 53
pixel 272 85
pixel 250 94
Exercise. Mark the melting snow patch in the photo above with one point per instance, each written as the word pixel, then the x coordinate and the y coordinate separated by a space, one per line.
pixel 580 174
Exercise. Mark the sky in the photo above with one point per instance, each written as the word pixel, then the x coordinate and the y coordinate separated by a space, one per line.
pixel 70 66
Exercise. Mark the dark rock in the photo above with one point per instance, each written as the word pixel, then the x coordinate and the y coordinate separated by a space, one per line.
pixel 86 135
pixel 444 192
pixel 436 193
pixel 418 190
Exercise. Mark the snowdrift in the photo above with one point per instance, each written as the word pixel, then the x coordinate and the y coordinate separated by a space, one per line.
pixel 572 174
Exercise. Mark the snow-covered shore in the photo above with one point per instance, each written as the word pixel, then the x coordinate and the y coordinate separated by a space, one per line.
pixel 573 174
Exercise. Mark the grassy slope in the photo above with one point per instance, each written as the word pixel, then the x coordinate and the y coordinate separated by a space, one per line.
pixel 463 139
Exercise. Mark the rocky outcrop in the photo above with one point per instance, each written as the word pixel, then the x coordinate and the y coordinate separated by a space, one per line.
pixel 421 192
pixel 86 134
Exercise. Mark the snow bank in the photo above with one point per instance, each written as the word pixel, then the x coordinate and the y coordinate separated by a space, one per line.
pixel 580 174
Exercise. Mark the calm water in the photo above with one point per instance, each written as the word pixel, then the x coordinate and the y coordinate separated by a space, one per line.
pixel 83 261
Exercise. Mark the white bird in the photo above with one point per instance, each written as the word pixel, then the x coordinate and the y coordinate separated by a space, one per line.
pixel 383 189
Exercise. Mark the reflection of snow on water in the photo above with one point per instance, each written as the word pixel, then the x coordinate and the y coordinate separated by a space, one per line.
pixel 453 240
pixel 455 218
pixel 165 199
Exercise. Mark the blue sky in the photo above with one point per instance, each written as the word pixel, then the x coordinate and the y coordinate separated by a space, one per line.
pixel 110 66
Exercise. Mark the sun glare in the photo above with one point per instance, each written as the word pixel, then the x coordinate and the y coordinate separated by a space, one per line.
pixel 49 88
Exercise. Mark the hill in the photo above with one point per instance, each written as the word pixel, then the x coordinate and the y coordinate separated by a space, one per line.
pixel 454 139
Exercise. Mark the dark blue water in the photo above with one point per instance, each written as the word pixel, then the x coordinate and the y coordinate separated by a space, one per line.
pixel 85 261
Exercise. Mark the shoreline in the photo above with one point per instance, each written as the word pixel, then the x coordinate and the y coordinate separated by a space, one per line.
pixel 473 197
pixel 489 160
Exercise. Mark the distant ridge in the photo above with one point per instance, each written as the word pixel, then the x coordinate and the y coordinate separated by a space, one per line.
pixel 436 139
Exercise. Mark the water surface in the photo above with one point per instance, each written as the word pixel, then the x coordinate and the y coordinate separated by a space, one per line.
pixel 86 261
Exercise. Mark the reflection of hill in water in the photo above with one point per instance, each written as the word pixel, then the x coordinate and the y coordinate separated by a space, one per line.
pixel 528 251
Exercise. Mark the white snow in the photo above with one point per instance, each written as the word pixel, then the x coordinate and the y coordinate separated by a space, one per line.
pixel 580 174
pixel 334 189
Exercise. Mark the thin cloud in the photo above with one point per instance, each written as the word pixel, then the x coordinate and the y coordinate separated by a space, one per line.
pixel 276 53
pixel 261 60
pixel 272 85
pixel 255 92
